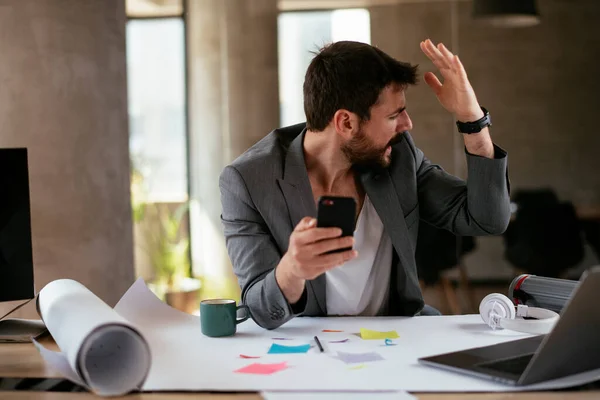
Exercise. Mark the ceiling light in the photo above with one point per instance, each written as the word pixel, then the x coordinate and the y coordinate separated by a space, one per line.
pixel 506 13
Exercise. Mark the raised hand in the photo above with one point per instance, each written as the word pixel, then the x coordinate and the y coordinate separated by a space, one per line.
pixel 456 93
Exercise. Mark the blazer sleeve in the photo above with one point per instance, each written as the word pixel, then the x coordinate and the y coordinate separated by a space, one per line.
pixel 478 207
pixel 253 254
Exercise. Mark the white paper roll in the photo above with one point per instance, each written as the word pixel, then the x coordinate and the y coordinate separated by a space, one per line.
pixel 106 352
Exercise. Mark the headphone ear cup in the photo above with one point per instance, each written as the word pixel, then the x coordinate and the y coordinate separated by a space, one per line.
pixel 496 304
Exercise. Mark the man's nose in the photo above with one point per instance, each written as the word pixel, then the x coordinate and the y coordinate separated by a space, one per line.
pixel 404 123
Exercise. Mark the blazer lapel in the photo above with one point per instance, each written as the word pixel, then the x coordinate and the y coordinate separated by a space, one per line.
pixel 299 199
pixel 295 184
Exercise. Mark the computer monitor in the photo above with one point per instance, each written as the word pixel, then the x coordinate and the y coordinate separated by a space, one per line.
pixel 16 258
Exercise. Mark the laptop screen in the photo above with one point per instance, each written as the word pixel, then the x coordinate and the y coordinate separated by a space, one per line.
pixel 16 260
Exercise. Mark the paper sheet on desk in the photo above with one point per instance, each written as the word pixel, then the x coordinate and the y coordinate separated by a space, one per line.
pixel 204 363
pixel 185 360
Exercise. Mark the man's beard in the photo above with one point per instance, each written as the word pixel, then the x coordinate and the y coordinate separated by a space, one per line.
pixel 364 156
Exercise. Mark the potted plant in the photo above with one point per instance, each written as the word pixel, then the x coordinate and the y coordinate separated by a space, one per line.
pixel 164 246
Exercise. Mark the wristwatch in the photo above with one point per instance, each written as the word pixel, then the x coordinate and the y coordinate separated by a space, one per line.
pixel 475 126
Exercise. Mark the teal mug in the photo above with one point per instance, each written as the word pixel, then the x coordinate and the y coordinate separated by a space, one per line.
pixel 218 317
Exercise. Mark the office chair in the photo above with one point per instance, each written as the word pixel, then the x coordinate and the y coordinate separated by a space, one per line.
pixel 438 251
pixel 545 238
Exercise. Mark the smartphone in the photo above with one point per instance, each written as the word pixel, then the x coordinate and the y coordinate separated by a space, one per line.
pixel 339 212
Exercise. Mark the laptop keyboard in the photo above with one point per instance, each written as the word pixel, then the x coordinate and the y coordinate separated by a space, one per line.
pixel 515 365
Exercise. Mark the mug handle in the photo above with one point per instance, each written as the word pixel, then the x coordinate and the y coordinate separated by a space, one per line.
pixel 240 320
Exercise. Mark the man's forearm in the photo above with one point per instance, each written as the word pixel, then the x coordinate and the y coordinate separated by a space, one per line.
pixel 291 286
pixel 480 144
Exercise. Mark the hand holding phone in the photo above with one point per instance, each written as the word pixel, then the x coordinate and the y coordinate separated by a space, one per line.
pixel 337 212
pixel 316 246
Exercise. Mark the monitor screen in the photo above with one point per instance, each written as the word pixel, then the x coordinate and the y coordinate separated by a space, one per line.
pixel 16 259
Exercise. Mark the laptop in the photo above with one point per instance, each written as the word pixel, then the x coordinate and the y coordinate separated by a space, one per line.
pixel 573 345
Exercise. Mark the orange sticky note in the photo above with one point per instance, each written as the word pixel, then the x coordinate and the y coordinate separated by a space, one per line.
pixel 262 369
pixel 331 330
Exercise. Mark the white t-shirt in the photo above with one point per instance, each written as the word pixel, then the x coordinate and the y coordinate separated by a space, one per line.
pixel 360 286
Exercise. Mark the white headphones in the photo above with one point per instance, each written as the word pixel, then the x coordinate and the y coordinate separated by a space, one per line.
pixel 498 312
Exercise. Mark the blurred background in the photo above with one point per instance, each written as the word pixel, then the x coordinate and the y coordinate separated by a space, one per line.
pixel 131 108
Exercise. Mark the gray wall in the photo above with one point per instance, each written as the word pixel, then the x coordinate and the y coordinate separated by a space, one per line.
pixel 63 95
pixel 539 84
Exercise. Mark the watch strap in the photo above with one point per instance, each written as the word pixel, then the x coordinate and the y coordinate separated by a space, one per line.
pixel 475 126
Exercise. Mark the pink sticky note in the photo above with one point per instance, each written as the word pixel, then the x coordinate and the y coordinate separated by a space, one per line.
pixel 262 369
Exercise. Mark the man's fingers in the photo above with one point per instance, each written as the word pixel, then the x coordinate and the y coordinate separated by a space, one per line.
pixel 433 82
pixel 437 53
pixel 323 263
pixel 305 223
pixel 459 67
pixel 324 246
pixel 330 261
pixel 428 52
pixel 446 53
pixel 434 54
pixel 317 234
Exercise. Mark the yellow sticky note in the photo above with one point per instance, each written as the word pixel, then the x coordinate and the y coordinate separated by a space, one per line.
pixel 360 366
pixel 368 334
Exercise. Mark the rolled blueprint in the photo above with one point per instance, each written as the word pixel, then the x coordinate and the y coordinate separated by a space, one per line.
pixel 540 291
pixel 99 348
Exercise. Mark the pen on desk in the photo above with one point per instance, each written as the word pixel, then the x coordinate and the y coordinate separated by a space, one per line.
pixel 319 344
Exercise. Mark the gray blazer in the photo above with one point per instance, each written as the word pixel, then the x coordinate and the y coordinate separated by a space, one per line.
pixel 266 192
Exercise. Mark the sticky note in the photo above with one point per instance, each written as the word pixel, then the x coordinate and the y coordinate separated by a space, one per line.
pixel 355 358
pixel 245 356
pixel 281 349
pixel 368 334
pixel 360 366
pixel 331 330
pixel 262 369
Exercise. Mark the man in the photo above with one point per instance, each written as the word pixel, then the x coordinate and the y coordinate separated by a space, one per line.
pixel 356 143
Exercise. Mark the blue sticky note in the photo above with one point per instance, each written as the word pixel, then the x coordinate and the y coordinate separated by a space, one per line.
pixel 281 349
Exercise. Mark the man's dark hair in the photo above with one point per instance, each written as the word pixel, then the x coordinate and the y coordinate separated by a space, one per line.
pixel 350 75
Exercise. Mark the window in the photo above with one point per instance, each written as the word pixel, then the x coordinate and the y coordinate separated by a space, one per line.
pixel 156 83
pixel 156 90
pixel 301 34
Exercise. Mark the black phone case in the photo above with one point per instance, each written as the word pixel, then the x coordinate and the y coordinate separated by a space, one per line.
pixel 334 211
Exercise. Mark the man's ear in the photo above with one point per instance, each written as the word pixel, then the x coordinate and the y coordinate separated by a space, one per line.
pixel 346 123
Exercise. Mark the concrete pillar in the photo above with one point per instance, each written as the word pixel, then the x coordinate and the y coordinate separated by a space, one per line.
pixel 233 103
pixel 63 95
